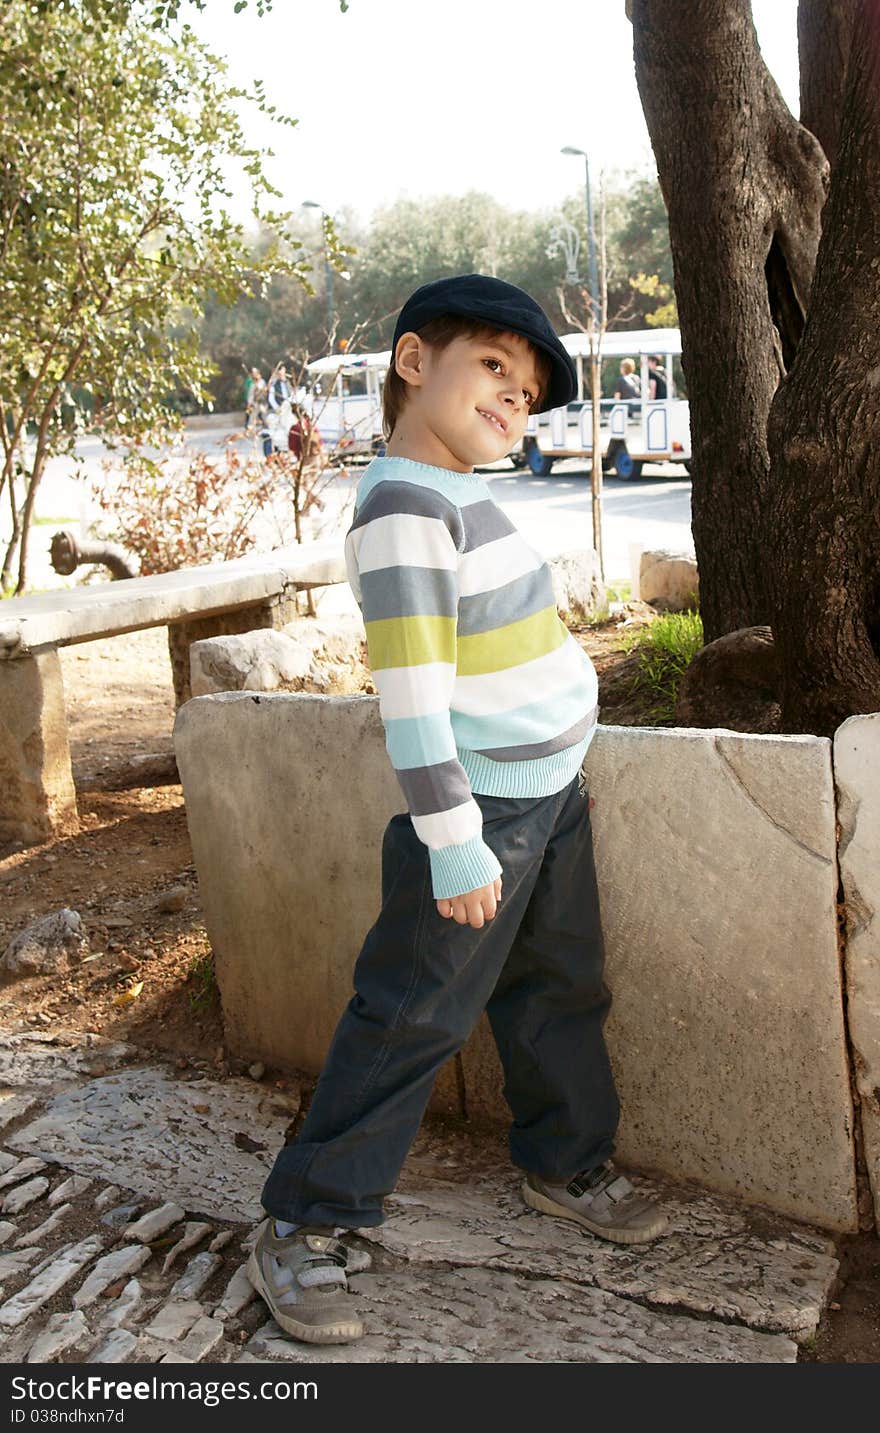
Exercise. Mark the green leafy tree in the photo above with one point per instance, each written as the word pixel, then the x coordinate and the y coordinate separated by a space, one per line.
pixel 414 240
pixel 118 143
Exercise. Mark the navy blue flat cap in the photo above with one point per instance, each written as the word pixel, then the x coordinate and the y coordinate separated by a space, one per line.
pixel 502 306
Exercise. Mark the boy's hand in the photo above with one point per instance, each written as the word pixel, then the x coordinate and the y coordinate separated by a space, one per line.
pixel 474 907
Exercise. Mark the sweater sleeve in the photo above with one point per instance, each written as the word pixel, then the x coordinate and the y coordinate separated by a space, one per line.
pixel 402 559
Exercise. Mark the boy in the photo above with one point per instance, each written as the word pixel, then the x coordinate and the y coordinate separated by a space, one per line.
pixel 489 705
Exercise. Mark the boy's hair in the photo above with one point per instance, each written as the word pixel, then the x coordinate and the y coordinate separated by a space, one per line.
pixel 627 366
pixel 440 332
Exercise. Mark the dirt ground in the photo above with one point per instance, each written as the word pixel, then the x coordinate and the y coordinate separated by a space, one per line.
pixel 128 872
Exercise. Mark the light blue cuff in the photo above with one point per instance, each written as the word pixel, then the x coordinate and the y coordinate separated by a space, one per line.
pixel 455 870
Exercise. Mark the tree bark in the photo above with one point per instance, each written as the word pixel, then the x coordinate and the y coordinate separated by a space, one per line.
pixel 744 186
pixel 824 34
pixel 823 514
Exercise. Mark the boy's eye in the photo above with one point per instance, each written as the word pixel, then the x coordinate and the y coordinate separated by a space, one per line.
pixel 490 361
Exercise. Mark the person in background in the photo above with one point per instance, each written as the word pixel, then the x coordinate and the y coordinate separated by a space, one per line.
pixel 255 397
pixel 627 385
pixel 280 391
pixel 657 386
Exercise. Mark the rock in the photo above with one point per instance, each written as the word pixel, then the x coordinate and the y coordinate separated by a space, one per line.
pixel 66 1264
pixel 239 1293
pixel 156 1223
pixel 107 1196
pixel 669 581
pixel 153 768
pixel 174 1320
pixel 577 584
pixel 23 1195
pixel 22 1170
pixel 72 1188
pixel 117 1348
pixel 257 1070
pixel 48 1226
pixel 194 1231
pixel 17 1261
pixel 196 1275
pixel 62 1332
pixel 202 1341
pixel 174 899
pixel 734 683
pixel 127 1305
pixel 308 654
pixel 120 1262
pixel 48 946
pixel 121 1216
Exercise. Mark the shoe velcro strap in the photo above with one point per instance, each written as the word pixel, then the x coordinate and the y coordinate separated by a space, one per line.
pixel 314 1275
pixel 619 1188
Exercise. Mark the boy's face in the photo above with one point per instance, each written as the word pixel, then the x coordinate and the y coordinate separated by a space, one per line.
pixel 470 401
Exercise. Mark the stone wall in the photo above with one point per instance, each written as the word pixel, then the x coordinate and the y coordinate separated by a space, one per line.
pixel 718 877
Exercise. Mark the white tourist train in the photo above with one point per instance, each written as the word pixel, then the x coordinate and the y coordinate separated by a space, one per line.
pixel 632 431
pixel 345 401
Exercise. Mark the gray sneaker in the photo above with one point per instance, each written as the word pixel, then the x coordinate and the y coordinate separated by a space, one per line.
pixel 302 1279
pixel 603 1201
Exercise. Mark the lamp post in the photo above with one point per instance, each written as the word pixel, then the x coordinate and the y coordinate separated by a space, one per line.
pixel 591 237
pixel 595 370
pixel 328 269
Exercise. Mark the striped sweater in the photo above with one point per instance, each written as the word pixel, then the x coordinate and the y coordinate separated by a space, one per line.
pixel 481 686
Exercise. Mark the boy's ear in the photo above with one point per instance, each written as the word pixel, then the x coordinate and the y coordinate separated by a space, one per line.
pixel 409 359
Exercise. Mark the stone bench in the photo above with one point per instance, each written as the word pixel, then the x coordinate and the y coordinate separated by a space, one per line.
pixel 37 797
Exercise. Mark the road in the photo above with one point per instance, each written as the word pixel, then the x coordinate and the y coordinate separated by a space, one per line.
pixel 554 512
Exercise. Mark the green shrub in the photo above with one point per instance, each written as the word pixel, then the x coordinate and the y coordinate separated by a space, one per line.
pixel 665 649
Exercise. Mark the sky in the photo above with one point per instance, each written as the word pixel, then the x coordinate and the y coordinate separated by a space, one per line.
pixel 400 98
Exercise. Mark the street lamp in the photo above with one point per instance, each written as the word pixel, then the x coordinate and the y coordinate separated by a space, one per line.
pixel 595 371
pixel 328 269
pixel 591 238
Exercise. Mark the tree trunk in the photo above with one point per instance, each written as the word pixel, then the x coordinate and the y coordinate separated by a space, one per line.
pixel 824 33
pixel 823 516
pixel 744 186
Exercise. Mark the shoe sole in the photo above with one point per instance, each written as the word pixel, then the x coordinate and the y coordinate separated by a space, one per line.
pixel 544 1205
pixel 342 1332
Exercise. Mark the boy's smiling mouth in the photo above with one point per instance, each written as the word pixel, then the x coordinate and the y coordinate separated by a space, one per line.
pixel 493 418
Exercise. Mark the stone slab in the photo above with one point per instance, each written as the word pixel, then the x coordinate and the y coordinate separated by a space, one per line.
pixel 479 1315
pixel 80 614
pixel 714 1260
pixel 44 1061
pixel 285 980
pixel 856 767
pixel 142 1128
pixel 719 906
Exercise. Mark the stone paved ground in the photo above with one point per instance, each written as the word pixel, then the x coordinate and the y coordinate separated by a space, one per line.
pixel 129 1195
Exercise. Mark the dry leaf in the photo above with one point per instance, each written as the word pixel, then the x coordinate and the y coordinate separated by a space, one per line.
pixel 132 993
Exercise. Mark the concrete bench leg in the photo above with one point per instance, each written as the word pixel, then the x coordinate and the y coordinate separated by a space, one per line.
pixel 275 612
pixel 37 796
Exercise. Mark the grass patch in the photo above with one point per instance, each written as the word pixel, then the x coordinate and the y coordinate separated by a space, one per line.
pixel 202 978
pixel 665 649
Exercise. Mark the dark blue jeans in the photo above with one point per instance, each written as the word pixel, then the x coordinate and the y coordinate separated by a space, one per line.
pixel 421 982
